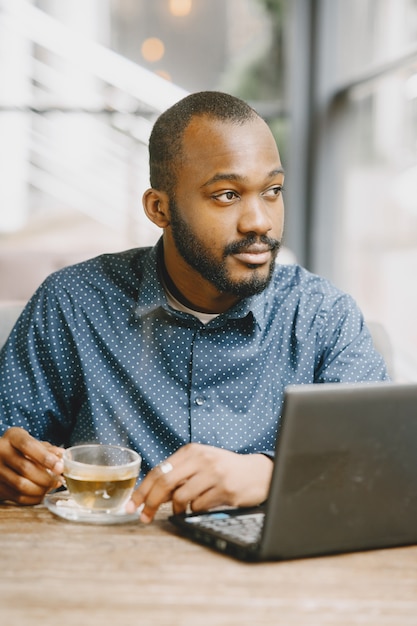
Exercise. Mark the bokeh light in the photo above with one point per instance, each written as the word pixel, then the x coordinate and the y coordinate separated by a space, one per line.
pixel 152 49
pixel 180 8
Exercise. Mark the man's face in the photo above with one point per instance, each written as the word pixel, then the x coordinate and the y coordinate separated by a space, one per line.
pixel 195 251
pixel 226 220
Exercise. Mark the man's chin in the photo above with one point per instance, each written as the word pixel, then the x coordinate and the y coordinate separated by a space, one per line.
pixel 246 286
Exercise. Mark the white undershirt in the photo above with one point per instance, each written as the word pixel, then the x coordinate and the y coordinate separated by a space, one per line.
pixel 204 318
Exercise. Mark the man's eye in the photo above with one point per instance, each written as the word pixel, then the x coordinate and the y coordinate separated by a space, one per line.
pixel 226 196
pixel 274 191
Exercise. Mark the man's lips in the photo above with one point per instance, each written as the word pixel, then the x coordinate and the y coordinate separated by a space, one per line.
pixel 254 255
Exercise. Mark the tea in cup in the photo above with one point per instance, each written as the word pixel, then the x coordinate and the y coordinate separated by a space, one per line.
pixel 101 477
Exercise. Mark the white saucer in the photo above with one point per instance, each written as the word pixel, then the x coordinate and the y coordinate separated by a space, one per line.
pixel 62 505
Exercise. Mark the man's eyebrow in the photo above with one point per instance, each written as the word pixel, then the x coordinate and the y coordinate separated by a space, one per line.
pixel 278 170
pixel 226 176
pixel 237 177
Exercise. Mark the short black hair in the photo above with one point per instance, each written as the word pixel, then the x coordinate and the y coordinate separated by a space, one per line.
pixel 165 142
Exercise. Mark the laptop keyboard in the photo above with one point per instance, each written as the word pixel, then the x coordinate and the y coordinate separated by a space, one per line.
pixel 244 528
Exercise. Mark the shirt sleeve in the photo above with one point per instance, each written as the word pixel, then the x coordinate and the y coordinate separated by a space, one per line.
pixel 345 350
pixel 39 382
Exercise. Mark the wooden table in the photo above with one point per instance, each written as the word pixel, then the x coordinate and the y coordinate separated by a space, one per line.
pixel 54 572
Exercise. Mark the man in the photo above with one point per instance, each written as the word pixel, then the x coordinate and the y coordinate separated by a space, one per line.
pixel 182 351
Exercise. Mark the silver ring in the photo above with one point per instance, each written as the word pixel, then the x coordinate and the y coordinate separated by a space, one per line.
pixel 165 467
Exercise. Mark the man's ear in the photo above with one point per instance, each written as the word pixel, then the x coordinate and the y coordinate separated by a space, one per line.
pixel 156 206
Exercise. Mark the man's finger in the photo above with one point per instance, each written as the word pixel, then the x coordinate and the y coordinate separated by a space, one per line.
pixel 155 489
pixel 46 456
pixel 160 484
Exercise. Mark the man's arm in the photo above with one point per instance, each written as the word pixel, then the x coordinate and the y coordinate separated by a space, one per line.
pixel 38 379
pixel 345 348
pixel 204 477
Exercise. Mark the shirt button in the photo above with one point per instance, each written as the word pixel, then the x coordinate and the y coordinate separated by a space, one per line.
pixel 199 400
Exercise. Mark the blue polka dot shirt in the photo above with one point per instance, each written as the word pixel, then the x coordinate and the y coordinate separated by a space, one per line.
pixel 99 355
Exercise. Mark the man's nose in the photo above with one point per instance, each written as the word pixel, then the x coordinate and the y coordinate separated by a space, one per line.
pixel 255 217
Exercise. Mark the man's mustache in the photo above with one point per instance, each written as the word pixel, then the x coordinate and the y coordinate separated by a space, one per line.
pixel 244 245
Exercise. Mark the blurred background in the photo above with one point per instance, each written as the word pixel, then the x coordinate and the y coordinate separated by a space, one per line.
pixel 82 81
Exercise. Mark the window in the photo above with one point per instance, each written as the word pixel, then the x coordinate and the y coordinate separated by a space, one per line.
pixel 360 115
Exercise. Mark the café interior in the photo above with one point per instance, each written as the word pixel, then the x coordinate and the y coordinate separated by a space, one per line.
pixel 81 83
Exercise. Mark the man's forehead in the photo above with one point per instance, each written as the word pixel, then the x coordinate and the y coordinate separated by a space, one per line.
pixel 207 134
pixel 217 142
pixel 208 121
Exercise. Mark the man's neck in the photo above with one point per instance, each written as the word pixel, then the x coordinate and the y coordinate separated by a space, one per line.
pixel 218 306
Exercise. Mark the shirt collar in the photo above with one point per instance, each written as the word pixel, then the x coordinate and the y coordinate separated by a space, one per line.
pixel 152 295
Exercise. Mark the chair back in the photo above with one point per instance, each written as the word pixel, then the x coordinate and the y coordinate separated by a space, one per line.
pixel 383 345
pixel 9 312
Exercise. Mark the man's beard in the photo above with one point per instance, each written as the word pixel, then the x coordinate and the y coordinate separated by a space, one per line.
pixel 201 259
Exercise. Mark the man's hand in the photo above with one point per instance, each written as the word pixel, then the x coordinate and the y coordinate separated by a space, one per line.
pixel 28 468
pixel 204 477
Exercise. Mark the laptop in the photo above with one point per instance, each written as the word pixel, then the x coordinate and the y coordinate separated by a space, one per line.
pixel 344 479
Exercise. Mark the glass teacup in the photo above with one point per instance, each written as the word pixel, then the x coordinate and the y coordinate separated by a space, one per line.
pixel 101 477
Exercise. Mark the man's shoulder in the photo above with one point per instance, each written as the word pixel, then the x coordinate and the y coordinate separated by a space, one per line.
pixel 297 288
pixel 117 271
pixel 294 277
pixel 126 262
